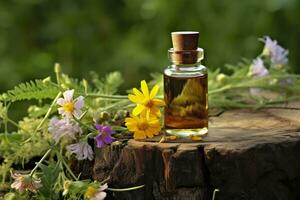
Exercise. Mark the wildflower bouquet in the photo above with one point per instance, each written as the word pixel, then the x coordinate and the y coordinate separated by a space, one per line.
pixel 263 82
pixel 71 118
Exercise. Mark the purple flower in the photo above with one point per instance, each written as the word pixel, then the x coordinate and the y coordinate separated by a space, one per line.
pixel 277 53
pixel 257 69
pixel 104 136
pixel 82 150
pixel 63 127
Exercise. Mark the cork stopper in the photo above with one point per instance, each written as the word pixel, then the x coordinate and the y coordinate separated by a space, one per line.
pixel 185 47
pixel 185 40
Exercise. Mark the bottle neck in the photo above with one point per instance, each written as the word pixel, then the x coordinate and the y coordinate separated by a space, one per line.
pixel 177 65
pixel 186 57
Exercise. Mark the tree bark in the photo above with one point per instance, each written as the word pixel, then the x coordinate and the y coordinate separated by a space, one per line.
pixel 246 155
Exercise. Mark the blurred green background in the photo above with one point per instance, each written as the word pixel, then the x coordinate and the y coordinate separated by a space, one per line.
pixel 133 36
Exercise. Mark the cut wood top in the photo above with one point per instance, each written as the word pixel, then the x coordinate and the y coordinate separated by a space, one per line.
pixel 244 128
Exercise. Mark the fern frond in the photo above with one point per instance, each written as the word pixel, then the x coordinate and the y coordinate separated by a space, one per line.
pixel 31 90
pixel 109 84
pixel 72 83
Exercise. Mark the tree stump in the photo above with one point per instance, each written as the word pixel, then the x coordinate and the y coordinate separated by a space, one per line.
pixel 246 155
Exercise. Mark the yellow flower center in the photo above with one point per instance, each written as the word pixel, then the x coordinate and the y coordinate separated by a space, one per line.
pixel 90 192
pixel 103 133
pixel 149 104
pixel 26 179
pixel 69 107
pixel 143 125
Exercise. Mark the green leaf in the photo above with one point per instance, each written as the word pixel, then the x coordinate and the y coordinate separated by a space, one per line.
pixel 31 90
pixel 49 178
pixel 108 85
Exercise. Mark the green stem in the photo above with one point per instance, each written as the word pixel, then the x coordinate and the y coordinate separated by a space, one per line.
pixel 48 112
pixel 66 166
pixel 119 128
pixel 42 159
pixel 214 194
pixel 83 114
pixel 105 180
pixel 106 96
pixel 227 87
pixel 125 189
pixel 13 123
pixel 114 105
pixel 90 135
pixel 83 124
pixel 250 83
pixel 5 121
pixel 45 117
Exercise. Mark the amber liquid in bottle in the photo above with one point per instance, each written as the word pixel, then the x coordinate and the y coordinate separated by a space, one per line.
pixel 186 111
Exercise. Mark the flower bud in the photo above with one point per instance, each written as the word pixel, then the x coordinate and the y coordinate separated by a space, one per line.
pixel 104 115
pixel 47 80
pixel 221 77
pixel 67 185
pixel 57 68
pixel 85 84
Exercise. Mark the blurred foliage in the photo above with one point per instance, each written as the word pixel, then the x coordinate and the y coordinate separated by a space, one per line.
pixel 133 35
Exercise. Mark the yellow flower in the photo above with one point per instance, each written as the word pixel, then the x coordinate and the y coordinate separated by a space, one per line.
pixel 142 126
pixel 90 192
pixel 145 101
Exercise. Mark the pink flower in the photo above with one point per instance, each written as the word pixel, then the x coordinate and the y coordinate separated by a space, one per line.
pixel 63 127
pixel 82 150
pixel 104 136
pixel 25 182
pixel 70 107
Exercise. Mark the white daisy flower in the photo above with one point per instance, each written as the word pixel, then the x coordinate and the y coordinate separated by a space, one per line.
pixel 82 150
pixel 69 106
pixel 63 127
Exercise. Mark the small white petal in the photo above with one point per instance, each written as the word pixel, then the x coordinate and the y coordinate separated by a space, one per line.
pixel 90 153
pixel 60 101
pixel 99 196
pixel 68 95
pixel 61 111
pixel 82 150
pixel 103 187
pixel 77 113
pixel 79 102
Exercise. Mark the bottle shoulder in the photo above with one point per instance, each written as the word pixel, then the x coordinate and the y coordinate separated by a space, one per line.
pixel 185 71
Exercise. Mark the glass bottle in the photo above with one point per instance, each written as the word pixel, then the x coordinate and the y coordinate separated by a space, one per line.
pixel 185 88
